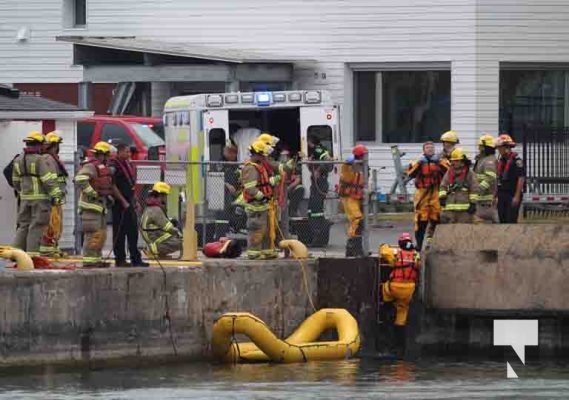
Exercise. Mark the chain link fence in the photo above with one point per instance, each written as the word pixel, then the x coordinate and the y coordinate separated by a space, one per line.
pixel 309 208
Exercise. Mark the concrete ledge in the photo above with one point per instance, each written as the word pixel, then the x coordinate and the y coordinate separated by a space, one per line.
pixel 86 317
pixel 498 268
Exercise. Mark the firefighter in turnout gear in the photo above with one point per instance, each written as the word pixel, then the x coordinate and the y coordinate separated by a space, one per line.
pixel 485 170
pixel 318 186
pixel 351 192
pixel 405 264
pixel 459 189
pixel 511 180
pixel 427 171
pixel 35 180
pixel 449 140
pixel 259 180
pixel 50 239
pixel 95 181
pixel 161 234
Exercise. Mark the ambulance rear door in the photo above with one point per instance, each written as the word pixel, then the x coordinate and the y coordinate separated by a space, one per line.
pixel 216 134
pixel 322 123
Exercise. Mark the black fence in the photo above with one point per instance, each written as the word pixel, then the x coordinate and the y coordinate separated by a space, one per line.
pixel 546 156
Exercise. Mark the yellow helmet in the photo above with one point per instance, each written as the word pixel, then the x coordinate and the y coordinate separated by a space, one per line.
pixel 486 140
pixel 53 137
pixel 458 155
pixel 449 136
pixel 268 139
pixel 161 187
pixel 102 147
pixel 258 147
pixel 34 136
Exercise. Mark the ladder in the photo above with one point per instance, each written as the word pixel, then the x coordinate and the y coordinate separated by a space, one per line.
pixel 400 177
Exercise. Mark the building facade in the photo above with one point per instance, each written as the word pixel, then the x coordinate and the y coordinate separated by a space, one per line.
pixel 402 71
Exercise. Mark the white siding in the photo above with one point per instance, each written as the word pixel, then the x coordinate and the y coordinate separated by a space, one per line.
pixel 68 130
pixel 473 35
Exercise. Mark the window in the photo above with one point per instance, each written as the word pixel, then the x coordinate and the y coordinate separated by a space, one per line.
pixel 74 13
pixel 533 99
pixel 401 106
pixel 323 133
pixel 147 135
pixel 115 134
pixel 216 144
pixel 85 133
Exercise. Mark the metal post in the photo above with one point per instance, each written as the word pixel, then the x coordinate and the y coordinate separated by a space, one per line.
pixel 84 95
pixel 204 204
pixel 78 228
pixel 375 205
pixel 365 206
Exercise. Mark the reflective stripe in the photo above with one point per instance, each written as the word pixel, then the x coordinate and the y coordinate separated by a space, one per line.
pixel 486 197
pixel 456 207
pixel 83 205
pixel 91 260
pixel 473 197
pixel 249 185
pixel 491 174
pixel 259 196
pixel 442 193
pixel 315 214
pixel 34 196
pixel 485 185
pixel 154 245
pixel 169 225
pixel 82 177
pixel 254 207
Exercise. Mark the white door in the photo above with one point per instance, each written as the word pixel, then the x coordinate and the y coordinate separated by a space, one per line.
pixel 321 123
pixel 216 133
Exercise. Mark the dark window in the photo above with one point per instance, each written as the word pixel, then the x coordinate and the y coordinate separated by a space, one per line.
pixel 324 134
pixel 401 106
pixel 80 12
pixel 533 99
pixel 85 133
pixel 115 134
pixel 216 144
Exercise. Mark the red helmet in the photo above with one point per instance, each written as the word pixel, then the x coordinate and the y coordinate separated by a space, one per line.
pixel 405 236
pixel 359 150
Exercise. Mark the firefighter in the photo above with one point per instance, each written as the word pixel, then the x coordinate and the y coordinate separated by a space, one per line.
pixel 50 239
pixel 485 170
pixel 427 172
pixel 95 181
pixel 161 234
pixel 35 180
pixel 511 180
pixel 318 186
pixel 223 248
pixel 404 263
pixel 459 190
pixel 259 181
pixel 351 192
pixel 450 141
pixel 295 190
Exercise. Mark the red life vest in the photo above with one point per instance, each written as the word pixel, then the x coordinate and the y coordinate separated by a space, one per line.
pixel 353 187
pixel 430 174
pixel 405 268
pixel 504 165
pixel 459 179
pixel 263 184
pixel 103 182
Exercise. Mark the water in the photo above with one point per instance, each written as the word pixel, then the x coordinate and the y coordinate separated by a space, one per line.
pixel 354 379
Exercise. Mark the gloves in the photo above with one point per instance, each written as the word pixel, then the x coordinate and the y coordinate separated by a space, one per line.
pixel 350 160
pixel 56 201
pixel 175 222
pixel 443 201
pixel 274 180
pixel 423 160
pixel 471 208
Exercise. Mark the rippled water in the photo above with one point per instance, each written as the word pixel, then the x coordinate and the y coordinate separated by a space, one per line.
pixel 355 379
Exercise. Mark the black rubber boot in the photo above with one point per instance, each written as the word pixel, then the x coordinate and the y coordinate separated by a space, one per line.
pixel 358 249
pixel 350 248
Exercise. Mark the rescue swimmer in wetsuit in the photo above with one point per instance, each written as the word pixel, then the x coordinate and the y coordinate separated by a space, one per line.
pixel 404 263
pixel 427 171
pixel 98 192
pixel 161 234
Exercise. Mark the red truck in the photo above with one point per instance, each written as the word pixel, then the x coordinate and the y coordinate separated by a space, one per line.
pixel 143 133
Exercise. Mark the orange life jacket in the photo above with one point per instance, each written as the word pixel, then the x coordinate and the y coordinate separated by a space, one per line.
pixel 430 174
pixel 263 184
pixel 103 182
pixel 352 187
pixel 405 268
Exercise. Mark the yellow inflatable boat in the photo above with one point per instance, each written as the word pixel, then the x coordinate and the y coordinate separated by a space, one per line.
pixel 301 346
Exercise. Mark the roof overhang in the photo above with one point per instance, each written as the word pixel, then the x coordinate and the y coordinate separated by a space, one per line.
pixel 43 115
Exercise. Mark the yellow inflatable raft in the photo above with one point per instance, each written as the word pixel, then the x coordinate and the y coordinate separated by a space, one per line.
pixel 301 346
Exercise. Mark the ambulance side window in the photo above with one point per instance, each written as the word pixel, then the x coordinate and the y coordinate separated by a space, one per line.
pixel 216 144
pixel 324 134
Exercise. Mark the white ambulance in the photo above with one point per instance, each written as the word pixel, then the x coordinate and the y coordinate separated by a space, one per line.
pixel 197 127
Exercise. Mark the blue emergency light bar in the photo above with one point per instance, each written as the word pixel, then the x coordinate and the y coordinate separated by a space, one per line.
pixel 263 98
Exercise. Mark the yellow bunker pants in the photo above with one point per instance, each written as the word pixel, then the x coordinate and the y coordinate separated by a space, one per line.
pixel 401 294
pixel 352 208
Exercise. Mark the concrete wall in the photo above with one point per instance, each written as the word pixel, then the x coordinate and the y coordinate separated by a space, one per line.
pixel 91 317
pixel 499 268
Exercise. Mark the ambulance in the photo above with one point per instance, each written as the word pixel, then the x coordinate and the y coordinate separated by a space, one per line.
pixel 197 127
